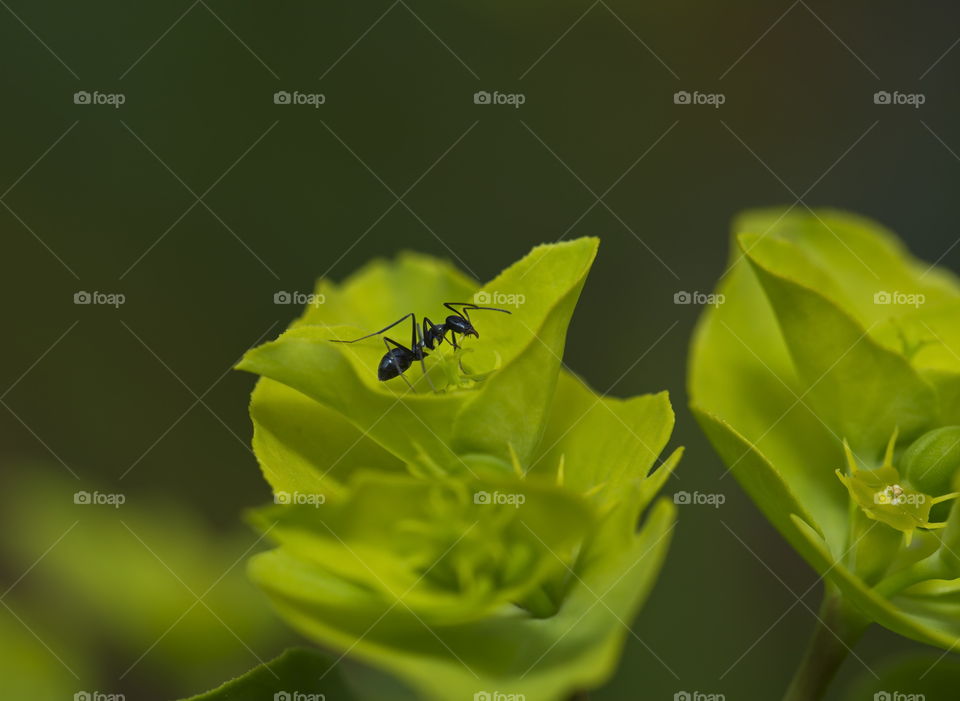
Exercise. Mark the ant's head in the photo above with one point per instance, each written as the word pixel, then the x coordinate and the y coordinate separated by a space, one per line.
pixel 462 326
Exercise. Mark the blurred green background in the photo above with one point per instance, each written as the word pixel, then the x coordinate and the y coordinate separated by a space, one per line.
pixel 150 599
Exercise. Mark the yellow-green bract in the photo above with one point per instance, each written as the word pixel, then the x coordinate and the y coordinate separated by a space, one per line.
pixel 483 537
pixel 832 333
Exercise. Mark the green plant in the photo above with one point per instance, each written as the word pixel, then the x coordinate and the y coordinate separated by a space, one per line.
pixel 829 383
pixel 478 531
pixel 480 537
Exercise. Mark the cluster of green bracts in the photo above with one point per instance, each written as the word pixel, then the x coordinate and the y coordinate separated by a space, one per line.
pixel 837 355
pixel 480 537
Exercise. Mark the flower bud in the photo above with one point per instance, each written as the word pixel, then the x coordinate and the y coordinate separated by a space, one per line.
pixel 931 461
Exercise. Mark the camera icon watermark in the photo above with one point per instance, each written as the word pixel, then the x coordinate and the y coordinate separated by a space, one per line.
pixel 897 696
pixel 914 300
pixel 714 299
pixel 97 696
pixel 883 97
pixel 514 499
pixel 297 696
pixel 299 298
pixel 285 97
pixel 498 696
pixel 112 99
pixel 109 299
pixel 711 99
pixel 500 299
pixel 714 499
pixel 514 99
pixel 308 498
pixel 99 499
pixel 698 696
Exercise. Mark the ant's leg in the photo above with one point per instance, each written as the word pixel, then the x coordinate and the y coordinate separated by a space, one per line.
pixel 413 333
pixel 377 333
pixel 449 305
pixel 429 326
pixel 442 337
pixel 418 344
pixel 387 342
pixel 387 339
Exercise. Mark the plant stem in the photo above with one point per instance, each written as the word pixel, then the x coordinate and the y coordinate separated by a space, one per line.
pixel 836 633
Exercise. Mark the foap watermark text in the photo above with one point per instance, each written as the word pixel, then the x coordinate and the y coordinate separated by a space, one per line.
pixel 284 97
pixel 109 99
pixel 895 496
pixel 914 299
pixel 913 99
pixel 716 500
pixel 513 99
pixel 500 498
pixel 308 498
pixel 97 696
pixel 108 299
pixel 714 299
pixel 500 299
pixel 99 499
pixel 299 298
pixel 710 99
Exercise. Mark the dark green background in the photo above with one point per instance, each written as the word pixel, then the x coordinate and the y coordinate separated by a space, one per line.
pixel 299 204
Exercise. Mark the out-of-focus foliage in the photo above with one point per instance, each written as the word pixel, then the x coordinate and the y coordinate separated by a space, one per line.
pixel 297 671
pixel 910 677
pixel 96 576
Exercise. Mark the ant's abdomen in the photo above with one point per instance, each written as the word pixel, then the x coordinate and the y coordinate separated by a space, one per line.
pixel 396 362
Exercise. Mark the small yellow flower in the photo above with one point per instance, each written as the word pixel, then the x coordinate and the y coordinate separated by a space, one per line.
pixel 885 496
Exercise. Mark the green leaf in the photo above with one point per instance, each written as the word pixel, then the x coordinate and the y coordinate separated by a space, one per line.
pixel 914 614
pixel 543 658
pixel 446 550
pixel 861 389
pixel 298 671
pixel 305 359
pixel 518 397
pixel 605 447
pixel 813 346
pixel 931 462
pixel 335 593
pixel 406 567
pixel 304 446
pixel 856 260
pixel 855 257
pixel 525 346
pixel 760 479
pixel 746 394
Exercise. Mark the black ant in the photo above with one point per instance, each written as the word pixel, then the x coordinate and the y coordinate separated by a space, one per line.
pixel 398 359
